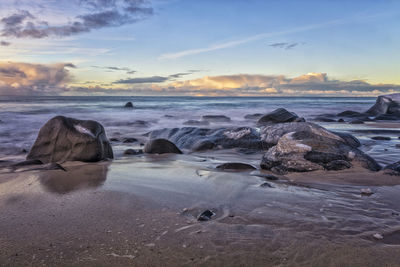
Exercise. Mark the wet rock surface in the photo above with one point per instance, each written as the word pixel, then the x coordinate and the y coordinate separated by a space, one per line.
pixel 235 166
pixel 216 118
pixel 161 146
pixel 131 151
pixel 128 105
pixel 279 115
pixel 68 139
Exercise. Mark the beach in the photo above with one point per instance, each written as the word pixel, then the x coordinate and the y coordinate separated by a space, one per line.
pixel 143 210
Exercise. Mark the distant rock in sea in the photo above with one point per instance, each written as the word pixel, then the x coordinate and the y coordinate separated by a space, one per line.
pixel 129 105
pixel 279 115
pixel 67 139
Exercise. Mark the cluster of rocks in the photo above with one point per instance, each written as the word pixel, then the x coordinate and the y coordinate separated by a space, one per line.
pixel 386 108
pixel 289 143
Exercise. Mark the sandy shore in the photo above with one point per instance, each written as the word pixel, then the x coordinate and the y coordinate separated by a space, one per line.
pixel 142 211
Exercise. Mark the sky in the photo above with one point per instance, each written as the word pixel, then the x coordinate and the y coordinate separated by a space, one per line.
pixel 200 48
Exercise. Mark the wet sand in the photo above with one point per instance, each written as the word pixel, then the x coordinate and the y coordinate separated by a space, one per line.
pixel 142 211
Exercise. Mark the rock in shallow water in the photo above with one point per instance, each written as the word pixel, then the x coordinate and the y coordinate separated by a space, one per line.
pixel 279 115
pixel 205 215
pixel 128 105
pixel 161 146
pixel 386 104
pixel 216 118
pixel 235 166
pixel 68 139
pixel 131 151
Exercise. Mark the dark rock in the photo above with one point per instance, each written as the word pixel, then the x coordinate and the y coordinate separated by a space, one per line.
pixel 265 184
pixel 113 139
pixel 198 139
pixel 54 166
pixel 216 118
pixel 206 215
pixel 387 117
pixel 383 138
pixel 386 104
pixel 161 146
pixel 350 113
pixel 129 140
pixel 279 115
pixel 254 116
pixel 133 151
pixel 68 139
pixel 322 157
pixel 393 169
pixel 128 105
pixel 324 119
pixel 194 122
pixel 356 122
pixel 340 120
pixel 268 177
pixel 24 151
pixel 349 139
pixel 235 166
pixel 168 116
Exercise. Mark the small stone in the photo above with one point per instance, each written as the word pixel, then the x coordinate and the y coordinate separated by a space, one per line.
pixel 266 185
pixel 129 105
pixel 378 236
pixel 133 151
pixel 366 191
pixel 113 139
pixel 206 215
pixel 383 138
pixel 130 140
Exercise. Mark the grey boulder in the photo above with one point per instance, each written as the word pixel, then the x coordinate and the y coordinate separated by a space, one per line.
pixel 161 146
pixel 67 139
pixel 279 115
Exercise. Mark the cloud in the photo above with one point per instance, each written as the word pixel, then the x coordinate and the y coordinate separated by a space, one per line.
pixel 152 79
pixel 26 78
pixel 111 68
pixel 95 14
pixel 286 46
pixel 4 43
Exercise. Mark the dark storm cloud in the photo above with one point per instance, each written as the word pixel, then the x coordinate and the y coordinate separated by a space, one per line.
pixel 286 46
pixel 4 43
pixel 100 14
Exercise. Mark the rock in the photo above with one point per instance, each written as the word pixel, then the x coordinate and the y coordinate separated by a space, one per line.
pixel 161 146
pixel 133 151
pixel 387 117
pixel 350 113
pixel 54 166
pixel 356 121
pixel 383 138
pixel 268 177
pixel 340 120
pixel 113 139
pixel 279 115
pixel 265 184
pixel 129 140
pixel 235 166
pixel 393 167
pixel 194 122
pixel 254 116
pixel 216 118
pixel 324 119
pixel 206 215
pixel 309 147
pixel 68 139
pixel 28 162
pixel 386 104
pixel 377 236
pixel 366 191
pixel 128 105
pixel 198 139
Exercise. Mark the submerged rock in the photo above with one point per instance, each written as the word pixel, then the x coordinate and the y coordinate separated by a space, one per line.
pixel 198 139
pixel 216 118
pixel 194 122
pixel 235 166
pixel 68 139
pixel 129 105
pixel 129 140
pixel 131 151
pixel 279 115
pixel 161 146
pixel 382 138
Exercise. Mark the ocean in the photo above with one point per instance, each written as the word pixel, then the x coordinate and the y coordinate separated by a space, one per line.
pixel 22 117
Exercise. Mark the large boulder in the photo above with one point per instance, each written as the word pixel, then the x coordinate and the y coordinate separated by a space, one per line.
pixel 279 115
pixel 161 146
pixel 197 139
pixel 386 104
pixel 67 139
pixel 304 147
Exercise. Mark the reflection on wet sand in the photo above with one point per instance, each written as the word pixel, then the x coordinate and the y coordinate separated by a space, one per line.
pixel 75 177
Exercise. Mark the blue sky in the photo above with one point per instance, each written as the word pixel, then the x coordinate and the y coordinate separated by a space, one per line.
pixel 203 47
